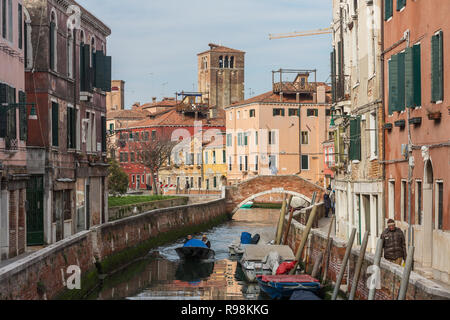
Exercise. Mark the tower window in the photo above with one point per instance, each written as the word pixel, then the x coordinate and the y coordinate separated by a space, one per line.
pixel 221 62
pixel 227 64
pixel 232 62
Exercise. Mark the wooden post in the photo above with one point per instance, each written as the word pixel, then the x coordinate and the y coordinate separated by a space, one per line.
pixel 376 263
pixel 344 264
pixel 288 227
pixel 406 274
pixel 304 238
pixel 280 220
pixel 327 250
pixel 362 254
pixel 317 265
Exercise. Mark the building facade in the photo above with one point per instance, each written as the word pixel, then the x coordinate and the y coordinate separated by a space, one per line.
pixel 417 96
pixel 358 118
pixel 115 99
pixel 279 132
pixel 67 79
pixel 221 75
pixel 13 129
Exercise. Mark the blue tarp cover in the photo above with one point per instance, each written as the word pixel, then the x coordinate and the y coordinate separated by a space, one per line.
pixel 304 295
pixel 246 238
pixel 195 243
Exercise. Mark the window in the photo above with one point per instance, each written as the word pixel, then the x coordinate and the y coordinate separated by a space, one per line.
pixel 215 182
pixel 418 205
pixel 437 67
pixel 221 62
pixel 273 163
pixel 55 124
pixel 153 135
pixel 10 21
pixel 305 162
pixel 252 113
pixel 240 139
pixel 132 178
pixel 328 112
pixel 440 204
pixel 206 157
pixel 229 140
pixel 214 157
pixel 70 53
pixel 256 163
pixel 20 25
pixel 293 112
pixel 373 135
pixel 230 165
pixel 103 124
pixel 238 115
pixel 240 163
pixel 404 201
pixel 71 127
pixel 199 182
pixel 246 163
pixel 312 112
pixel 391 199
pixel 232 62
pixel 272 137
pixel 230 116
pixel 305 137
pixel 224 157
pixel 388 9
pixel 355 139
pixel 278 112
pixel 111 128
pixel 132 159
pixel 53 41
pixel 246 135
pixel 227 64
pixel 4 28
pixel 256 138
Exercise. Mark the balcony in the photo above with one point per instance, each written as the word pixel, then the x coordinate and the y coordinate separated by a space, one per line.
pixel 11 144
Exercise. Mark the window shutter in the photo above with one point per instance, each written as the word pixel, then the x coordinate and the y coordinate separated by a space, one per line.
pixel 305 164
pixel 87 69
pixel 99 69
pixel 417 75
pixel 388 9
pixel 441 66
pixel 3 114
pixel 355 139
pixel 409 77
pixel 55 124
pixel 82 76
pixel 52 45
pixel 103 119
pixel 393 83
pixel 333 75
pixel 107 62
pixel 401 82
pixel 435 70
pixel 23 121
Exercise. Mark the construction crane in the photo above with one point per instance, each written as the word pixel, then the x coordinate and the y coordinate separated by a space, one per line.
pixel 300 33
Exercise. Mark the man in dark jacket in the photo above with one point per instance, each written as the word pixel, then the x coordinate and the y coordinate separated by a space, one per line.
pixel 327 202
pixel 394 243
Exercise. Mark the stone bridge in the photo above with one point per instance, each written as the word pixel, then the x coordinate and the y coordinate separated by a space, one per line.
pixel 239 194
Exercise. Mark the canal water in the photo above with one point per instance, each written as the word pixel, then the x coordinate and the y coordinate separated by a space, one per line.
pixel 163 276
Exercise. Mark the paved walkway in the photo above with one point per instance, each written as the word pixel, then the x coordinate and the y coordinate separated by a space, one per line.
pixel 29 251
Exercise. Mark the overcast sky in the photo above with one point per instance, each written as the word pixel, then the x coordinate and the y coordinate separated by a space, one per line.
pixel 154 43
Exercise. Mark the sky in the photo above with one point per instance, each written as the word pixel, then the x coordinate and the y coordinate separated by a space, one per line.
pixel 154 43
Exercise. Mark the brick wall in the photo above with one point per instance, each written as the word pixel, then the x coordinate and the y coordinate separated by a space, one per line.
pixel 39 275
pixel 419 288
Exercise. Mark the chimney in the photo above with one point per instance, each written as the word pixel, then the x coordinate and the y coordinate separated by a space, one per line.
pixel 154 99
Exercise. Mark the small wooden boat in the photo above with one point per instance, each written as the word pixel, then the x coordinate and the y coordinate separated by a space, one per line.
pixel 283 286
pixel 195 250
pixel 254 260
pixel 248 205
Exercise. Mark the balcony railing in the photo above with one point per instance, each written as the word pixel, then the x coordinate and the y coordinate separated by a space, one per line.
pixel 294 87
pixel 11 144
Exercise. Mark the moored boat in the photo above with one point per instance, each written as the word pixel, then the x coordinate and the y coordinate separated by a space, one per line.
pixel 195 250
pixel 255 260
pixel 283 286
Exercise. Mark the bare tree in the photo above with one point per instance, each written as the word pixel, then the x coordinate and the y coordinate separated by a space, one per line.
pixel 152 152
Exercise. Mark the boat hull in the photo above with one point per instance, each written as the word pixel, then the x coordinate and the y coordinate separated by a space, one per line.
pixel 279 291
pixel 195 253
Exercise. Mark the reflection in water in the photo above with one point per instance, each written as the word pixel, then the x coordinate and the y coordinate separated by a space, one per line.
pixel 162 276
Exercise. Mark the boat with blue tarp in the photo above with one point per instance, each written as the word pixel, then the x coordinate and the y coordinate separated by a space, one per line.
pixel 283 286
pixel 195 250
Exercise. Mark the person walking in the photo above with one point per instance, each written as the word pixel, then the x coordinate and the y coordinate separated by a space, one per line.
pixel 394 243
pixel 327 202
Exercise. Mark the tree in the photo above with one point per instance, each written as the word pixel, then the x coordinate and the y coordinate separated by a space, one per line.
pixel 152 153
pixel 118 179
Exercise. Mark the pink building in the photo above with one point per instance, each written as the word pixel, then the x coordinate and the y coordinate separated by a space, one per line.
pixel 13 129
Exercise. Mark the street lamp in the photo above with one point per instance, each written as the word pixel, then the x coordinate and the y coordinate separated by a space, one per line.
pixel 33 114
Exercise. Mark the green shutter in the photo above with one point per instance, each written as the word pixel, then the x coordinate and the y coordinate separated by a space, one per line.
pixel 3 99
pixel 82 76
pixel 436 68
pixel 23 120
pixel 388 9
pixel 417 76
pixel 333 75
pixel 55 124
pixel 400 4
pixel 305 164
pixel 401 82
pixel 393 83
pixel 355 139
pixel 409 77
pixel 441 66
pixel 87 69
pixel 99 69
pixel 103 120
pixel 107 62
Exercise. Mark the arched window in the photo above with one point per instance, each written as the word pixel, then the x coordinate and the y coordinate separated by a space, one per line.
pixel 93 52
pixel 53 40
pixel 82 39
pixel 232 62
pixel 205 63
pixel 70 40
pixel 28 48
pixel 221 62
pixel 227 64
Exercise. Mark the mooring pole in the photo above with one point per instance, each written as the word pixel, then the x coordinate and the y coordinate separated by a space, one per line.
pixel 376 263
pixel 280 221
pixel 317 265
pixel 406 274
pixel 298 255
pixel 362 254
pixel 344 264
pixel 327 250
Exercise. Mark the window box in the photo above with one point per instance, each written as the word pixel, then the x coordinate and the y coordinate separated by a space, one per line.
pixel 388 126
pixel 415 121
pixel 435 115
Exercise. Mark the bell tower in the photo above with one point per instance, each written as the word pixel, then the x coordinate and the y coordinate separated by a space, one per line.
pixel 221 75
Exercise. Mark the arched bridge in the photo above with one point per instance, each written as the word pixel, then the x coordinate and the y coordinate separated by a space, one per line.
pixel 237 195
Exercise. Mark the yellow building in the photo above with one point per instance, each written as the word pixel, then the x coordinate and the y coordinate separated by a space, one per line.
pixel 215 165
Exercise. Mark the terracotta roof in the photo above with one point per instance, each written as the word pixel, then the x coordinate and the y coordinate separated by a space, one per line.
pixel 127 114
pixel 218 48
pixel 163 103
pixel 174 118
pixel 271 97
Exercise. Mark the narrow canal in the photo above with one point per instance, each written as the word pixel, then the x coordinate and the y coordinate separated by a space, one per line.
pixel 162 276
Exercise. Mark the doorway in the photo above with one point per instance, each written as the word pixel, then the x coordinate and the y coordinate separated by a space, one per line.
pixel 35 211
